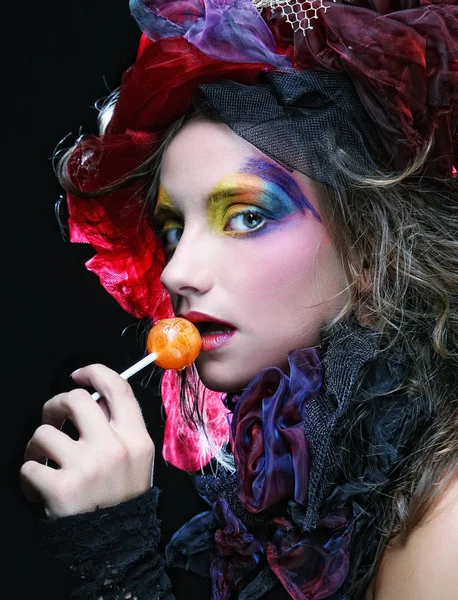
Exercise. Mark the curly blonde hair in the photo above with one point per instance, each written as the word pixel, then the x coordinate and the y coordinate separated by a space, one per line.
pixel 398 238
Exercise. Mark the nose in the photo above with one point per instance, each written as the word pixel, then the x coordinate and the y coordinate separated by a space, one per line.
pixel 189 271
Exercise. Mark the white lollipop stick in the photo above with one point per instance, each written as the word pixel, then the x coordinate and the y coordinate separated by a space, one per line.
pixel 132 370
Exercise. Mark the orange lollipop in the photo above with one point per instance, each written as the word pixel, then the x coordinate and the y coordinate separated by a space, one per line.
pixel 176 342
pixel 171 343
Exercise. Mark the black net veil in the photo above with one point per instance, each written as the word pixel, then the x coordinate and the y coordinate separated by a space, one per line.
pixel 310 121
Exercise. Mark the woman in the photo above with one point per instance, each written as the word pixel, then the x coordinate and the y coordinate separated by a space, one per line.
pixel 292 191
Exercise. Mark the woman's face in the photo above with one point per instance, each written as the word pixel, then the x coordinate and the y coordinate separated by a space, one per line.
pixel 249 259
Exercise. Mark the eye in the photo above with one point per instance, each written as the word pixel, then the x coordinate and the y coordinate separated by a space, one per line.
pixel 171 237
pixel 246 221
pixel 170 234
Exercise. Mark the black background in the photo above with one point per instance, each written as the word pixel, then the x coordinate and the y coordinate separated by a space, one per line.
pixel 61 58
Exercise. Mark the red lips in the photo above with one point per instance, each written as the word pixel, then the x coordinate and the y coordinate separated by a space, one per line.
pixel 198 317
pixel 215 332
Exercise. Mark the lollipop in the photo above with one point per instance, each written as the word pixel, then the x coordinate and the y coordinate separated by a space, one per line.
pixel 171 343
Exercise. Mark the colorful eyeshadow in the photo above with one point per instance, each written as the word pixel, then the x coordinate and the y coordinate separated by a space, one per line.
pixel 261 191
pixel 249 202
pixel 275 175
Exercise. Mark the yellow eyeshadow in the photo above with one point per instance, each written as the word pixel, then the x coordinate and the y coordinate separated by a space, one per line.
pixel 163 201
pixel 247 181
pixel 241 186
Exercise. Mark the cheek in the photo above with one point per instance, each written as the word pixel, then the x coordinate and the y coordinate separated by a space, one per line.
pixel 279 263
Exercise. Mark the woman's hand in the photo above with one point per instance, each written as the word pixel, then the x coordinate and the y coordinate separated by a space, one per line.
pixel 111 461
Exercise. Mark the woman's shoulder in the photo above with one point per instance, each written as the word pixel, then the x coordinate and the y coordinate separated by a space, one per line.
pixel 425 567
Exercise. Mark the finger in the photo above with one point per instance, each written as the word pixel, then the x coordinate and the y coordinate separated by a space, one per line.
pixel 49 442
pixel 86 415
pixel 122 404
pixel 36 479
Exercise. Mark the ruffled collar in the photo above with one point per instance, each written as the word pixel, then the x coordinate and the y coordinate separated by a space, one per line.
pixel 252 529
pixel 300 511
pixel 270 450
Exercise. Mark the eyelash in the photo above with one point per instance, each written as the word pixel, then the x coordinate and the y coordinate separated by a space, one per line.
pixel 244 213
pixel 162 233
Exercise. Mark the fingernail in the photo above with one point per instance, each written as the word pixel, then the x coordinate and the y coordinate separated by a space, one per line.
pixel 74 372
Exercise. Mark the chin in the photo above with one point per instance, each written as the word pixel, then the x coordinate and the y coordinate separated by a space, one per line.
pixel 223 381
pixel 224 385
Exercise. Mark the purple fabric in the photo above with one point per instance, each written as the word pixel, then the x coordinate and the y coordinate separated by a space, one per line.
pixel 273 462
pixel 310 569
pixel 238 552
pixel 310 565
pixel 228 30
pixel 268 443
